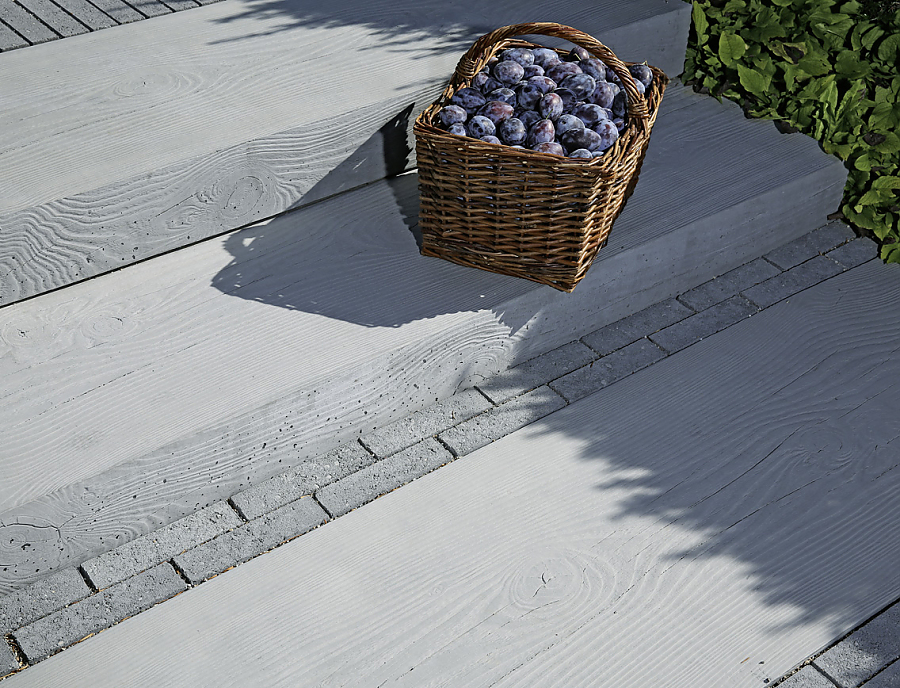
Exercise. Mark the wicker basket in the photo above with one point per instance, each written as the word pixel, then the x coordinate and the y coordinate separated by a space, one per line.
pixel 519 212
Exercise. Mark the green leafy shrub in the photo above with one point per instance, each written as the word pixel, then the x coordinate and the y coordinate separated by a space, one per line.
pixel 823 67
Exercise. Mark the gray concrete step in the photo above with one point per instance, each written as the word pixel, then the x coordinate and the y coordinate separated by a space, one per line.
pixel 708 520
pixel 133 399
pixel 124 144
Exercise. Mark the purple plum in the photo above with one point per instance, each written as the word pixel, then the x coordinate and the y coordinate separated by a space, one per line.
pixel 452 114
pixel 545 57
pixel 546 84
pixel 641 73
pixel 521 55
pixel 568 98
pixel 560 71
pixel 582 85
pixel 490 139
pixel 496 111
pixel 594 68
pixel 512 131
pixel 533 70
pixel 508 71
pixel 567 122
pixel 480 126
pixel 506 95
pixel 582 153
pixel 577 54
pixel 603 94
pixel 457 130
pixel 541 131
pixel 581 138
pixel 528 117
pixel 589 113
pixel 551 106
pixel 528 95
pixel 469 99
pixel 551 147
pixel 607 132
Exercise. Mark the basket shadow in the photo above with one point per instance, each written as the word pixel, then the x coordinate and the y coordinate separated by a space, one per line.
pixel 355 257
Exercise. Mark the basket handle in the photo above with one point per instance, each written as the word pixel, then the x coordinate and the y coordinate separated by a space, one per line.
pixel 477 56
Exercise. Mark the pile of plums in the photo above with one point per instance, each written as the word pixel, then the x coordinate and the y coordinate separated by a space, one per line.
pixel 572 105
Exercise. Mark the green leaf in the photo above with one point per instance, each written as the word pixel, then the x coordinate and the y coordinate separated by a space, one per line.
pixel 872 35
pixel 815 65
pixel 890 253
pixel 731 48
pixel 863 163
pixel 849 66
pixel 793 74
pixel 782 3
pixel 885 116
pixel 891 144
pixel 887 182
pixel 755 82
pixel 889 50
pixel 701 23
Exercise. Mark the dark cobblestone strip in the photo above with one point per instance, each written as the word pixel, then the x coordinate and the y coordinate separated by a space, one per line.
pixel 30 22
pixel 67 626
pixel 66 606
pixel 867 656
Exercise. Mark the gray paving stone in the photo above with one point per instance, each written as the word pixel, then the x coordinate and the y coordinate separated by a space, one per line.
pixel 865 651
pixel 792 281
pixel 854 252
pixel 149 8
pixel 502 420
pixel 627 330
pixel 178 5
pixel 54 17
pixel 889 678
pixel 86 13
pixel 118 10
pixel 425 423
pixel 97 612
pixel 303 480
pixel 607 370
pixel 807 677
pixel 153 548
pixel 810 245
pixel 703 324
pixel 380 478
pixel 8 661
pixel 10 40
pixel 251 539
pixel 41 598
pixel 538 371
pixel 23 23
pixel 727 285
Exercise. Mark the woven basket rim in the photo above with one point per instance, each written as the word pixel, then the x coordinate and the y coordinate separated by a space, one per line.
pixel 630 135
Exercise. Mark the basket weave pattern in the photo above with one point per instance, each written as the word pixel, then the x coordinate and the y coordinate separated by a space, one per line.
pixel 518 212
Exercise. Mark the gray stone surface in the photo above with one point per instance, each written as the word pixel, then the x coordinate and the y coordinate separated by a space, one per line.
pixel 792 281
pixel 810 245
pixel 703 324
pixel 9 39
pixel 807 677
pixel 889 678
pixel 607 370
pixel 118 10
pixel 303 480
pixel 251 539
pixel 538 371
pixel 41 598
pixel 865 651
pixel 54 17
pixel 854 252
pixel 727 285
pixel 627 330
pixel 382 477
pixel 86 13
pixel 24 23
pixel 67 626
pixel 8 661
pixel 151 549
pixel 502 420
pixel 425 423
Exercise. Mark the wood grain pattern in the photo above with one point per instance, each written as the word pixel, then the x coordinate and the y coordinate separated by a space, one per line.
pixel 708 529
pixel 326 320
pixel 184 107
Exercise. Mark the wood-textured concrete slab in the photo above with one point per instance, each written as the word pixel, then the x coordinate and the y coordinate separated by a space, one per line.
pixel 131 400
pixel 709 521
pixel 205 121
